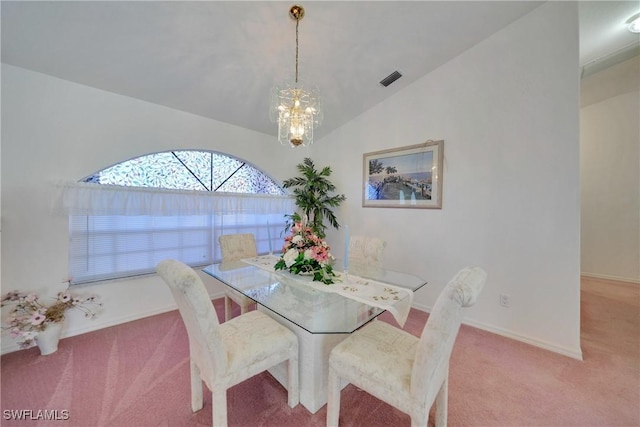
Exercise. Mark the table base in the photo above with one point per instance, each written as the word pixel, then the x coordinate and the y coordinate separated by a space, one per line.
pixel 313 363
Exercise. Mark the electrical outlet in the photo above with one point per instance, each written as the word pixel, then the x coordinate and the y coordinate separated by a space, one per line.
pixel 504 300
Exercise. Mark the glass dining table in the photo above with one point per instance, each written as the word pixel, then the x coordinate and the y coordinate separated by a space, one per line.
pixel 319 319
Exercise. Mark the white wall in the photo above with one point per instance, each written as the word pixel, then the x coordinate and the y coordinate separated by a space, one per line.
pixel 610 178
pixel 507 110
pixel 55 131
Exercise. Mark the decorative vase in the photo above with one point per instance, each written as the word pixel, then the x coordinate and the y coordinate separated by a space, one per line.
pixel 47 340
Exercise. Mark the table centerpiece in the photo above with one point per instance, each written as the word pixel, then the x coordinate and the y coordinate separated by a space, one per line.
pixel 305 253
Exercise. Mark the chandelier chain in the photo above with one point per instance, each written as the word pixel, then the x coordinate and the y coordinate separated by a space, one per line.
pixel 297 23
pixel 296 109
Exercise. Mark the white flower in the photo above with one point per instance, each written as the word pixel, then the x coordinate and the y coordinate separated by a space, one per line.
pixel 296 238
pixel 37 318
pixel 308 254
pixel 290 257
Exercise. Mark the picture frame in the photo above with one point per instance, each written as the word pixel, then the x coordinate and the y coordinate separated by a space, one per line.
pixel 405 177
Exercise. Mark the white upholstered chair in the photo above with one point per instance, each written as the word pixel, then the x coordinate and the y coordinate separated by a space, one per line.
pixel 366 251
pixel 235 247
pixel 223 355
pixel 407 372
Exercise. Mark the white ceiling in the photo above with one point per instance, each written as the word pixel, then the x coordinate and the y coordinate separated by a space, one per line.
pixel 220 59
pixel 604 38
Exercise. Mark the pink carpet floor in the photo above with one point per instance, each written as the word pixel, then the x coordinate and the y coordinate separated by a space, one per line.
pixel 137 374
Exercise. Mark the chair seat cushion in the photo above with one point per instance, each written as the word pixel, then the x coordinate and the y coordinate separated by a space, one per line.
pixel 253 338
pixel 379 356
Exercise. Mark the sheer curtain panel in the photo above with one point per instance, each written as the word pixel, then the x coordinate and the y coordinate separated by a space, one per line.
pixel 117 231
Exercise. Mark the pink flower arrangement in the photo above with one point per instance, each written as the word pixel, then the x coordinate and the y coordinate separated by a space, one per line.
pixel 30 316
pixel 306 253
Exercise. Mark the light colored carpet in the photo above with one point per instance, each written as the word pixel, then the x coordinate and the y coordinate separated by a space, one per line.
pixel 137 374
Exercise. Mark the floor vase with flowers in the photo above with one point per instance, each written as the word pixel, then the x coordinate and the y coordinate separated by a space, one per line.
pixel 33 322
pixel 48 339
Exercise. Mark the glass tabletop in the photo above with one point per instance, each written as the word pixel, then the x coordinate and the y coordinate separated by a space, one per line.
pixel 316 311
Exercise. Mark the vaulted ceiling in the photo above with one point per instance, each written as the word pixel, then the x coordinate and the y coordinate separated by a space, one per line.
pixel 220 59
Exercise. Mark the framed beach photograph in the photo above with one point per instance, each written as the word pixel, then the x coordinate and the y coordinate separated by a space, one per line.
pixel 406 177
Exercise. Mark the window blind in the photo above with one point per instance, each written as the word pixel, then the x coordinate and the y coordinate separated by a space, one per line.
pixel 105 247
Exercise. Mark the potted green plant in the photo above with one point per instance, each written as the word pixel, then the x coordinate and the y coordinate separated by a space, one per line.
pixel 312 190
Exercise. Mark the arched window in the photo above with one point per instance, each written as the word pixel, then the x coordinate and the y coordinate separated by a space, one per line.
pixel 189 170
pixel 128 217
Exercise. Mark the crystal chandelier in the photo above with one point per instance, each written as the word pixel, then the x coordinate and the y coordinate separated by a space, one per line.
pixel 633 23
pixel 296 109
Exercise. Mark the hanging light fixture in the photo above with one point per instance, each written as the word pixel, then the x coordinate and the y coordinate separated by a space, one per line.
pixel 296 109
pixel 633 23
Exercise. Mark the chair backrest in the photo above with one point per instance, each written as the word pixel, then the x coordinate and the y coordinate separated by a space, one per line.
pixel 199 317
pixel 237 246
pixel 366 251
pixel 431 365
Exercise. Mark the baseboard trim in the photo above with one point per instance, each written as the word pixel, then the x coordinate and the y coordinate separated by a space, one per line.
pixel 573 353
pixel 608 277
pixel 95 326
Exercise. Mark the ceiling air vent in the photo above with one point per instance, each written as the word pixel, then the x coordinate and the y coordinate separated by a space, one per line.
pixel 390 78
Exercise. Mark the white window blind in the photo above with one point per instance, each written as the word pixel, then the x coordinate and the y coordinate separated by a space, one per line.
pixel 111 246
pixel 119 231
